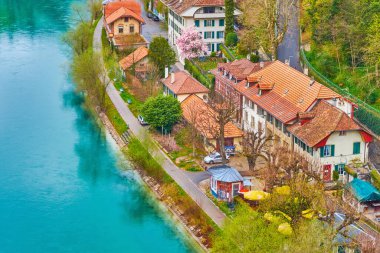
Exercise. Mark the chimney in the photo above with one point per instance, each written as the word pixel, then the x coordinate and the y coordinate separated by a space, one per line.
pixel 287 62
pixel 172 78
pixel 261 64
pixel 312 81
pixel 306 71
pixel 166 72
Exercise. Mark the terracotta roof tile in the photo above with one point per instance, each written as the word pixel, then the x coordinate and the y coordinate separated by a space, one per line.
pixel 293 85
pixel 123 12
pixel 242 68
pixel 133 58
pixel 327 120
pixel 184 84
pixel 194 109
pixel 129 4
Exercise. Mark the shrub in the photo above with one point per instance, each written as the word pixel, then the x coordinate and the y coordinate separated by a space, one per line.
pixel 197 74
pixel 335 175
pixel 375 176
pixel 350 171
pixel 255 58
pixel 213 54
pixel 231 39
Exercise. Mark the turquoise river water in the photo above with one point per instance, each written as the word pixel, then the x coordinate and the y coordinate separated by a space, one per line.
pixel 61 185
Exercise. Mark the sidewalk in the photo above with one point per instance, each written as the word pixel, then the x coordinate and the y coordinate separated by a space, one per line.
pixel 176 173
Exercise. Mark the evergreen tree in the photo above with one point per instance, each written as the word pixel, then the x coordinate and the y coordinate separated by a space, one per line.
pixel 229 6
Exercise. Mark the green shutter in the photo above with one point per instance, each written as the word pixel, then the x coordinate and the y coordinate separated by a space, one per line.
pixel 213 34
pixel 356 148
pixel 213 22
pixel 197 23
pixel 321 149
pixel 221 22
pixel 332 150
pixel 212 47
pixel 336 167
pixel 205 22
pixel 204 35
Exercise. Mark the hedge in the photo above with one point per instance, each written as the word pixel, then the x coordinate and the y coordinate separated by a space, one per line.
pixel 369 119
pixel 375 175
pixel 226 52
pixel 197 74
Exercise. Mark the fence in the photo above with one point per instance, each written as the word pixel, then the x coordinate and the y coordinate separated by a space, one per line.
pixel 366 114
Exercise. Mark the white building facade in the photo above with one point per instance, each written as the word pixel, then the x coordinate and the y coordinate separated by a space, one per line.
pixel 208 20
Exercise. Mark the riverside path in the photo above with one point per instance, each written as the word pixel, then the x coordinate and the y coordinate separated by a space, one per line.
pixel 176 173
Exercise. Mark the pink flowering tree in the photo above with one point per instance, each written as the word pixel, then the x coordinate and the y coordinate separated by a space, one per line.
pixel 191 44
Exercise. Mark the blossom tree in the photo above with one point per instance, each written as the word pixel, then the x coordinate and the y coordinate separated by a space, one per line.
pixel 191 44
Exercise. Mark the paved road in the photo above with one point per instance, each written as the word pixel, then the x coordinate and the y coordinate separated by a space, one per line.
pixel 176 173
pixel 289 48
pixel 151 28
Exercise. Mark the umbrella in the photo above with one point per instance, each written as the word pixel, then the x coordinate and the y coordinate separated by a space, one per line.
pixel 256 195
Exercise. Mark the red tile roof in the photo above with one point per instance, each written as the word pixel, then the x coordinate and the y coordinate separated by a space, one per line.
pixel 327 119
pixel 242 68
pixel 184 83
pixel 195 109
pixel 116 10
pixel 137 55
pixel 179 6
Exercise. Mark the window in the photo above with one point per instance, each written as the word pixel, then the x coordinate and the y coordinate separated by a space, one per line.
pixel 208 46
pixel 208 35
pixel 270 118
pixel 131 29
pixel 245 115
pixel 208 9
pixel 209 22
pixel 328 150
pixel 342 133
pixel 121 29
pixel 356 148
pixel 196 23
pixel 126 20
pixel 218 46
pixel 340 168
pixel 221 22
pixel 220 35
pixel 260 110
pixel 252 122
pixel 278 124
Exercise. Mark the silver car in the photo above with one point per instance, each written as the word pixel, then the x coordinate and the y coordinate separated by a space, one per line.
pixel 141 120
pixel 214 158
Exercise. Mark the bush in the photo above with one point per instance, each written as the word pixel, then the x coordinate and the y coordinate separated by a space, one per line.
pixel 161 111
pixel 375 176
pixel 255 58
pixel 213 54
pixel 231 39
pixel 351 171
pixel 335 175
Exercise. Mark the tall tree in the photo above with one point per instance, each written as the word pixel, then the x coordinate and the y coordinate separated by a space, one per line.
pixel 229 6
pixel 161 53
pixel 269 20
pixel 254 145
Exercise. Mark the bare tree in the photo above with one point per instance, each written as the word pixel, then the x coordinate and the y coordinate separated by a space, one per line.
pixel 268 19
pixel 254 144
pixel 193 120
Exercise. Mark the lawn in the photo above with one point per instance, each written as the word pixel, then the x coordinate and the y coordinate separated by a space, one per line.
pixel 208 63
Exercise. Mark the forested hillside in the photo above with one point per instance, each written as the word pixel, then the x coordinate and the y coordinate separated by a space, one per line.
pixel 344 39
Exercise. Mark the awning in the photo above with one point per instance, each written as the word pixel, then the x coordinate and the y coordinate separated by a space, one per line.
pixel 247 182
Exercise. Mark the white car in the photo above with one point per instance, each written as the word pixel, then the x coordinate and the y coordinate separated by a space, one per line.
pixel 141 120
pixel 214 158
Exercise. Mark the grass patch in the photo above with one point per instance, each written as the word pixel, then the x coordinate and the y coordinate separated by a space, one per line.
pixel 135 104
pixel 115 118
pixel 208 63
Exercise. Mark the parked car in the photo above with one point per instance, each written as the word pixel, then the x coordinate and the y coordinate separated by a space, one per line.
pixel 214 158
pixel 155 18
pixel 141 120
pixel 149 14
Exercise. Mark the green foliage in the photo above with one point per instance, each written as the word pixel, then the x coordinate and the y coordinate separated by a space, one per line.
pixel 231 39
pixel 213 54
pixel 115 118
pixel 255 58
pixel 229 6
pixel 161 53
pixel 350 171
pixel 161 111
pixel 335 175
pixel 95 8
pixel 79 38
pixel 196 72
pixel 375 176
pixel 227 53
pixel 369 119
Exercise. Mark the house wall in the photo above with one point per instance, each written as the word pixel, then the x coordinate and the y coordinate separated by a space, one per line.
pixel 251 120
pixel 182 97
pixel 126 25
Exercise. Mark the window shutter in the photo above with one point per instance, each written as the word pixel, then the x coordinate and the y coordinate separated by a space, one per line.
pixel 204 35
pixel 356 148
pixel 205 22
pixel 321 149
pixel 213 34
pixel 336 167
pixel 213 22
pixel 197 23
pixel 332 150
pixel 221 22
pixel 212 47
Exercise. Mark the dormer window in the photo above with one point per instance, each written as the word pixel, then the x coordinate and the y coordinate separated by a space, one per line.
pixel 126 19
